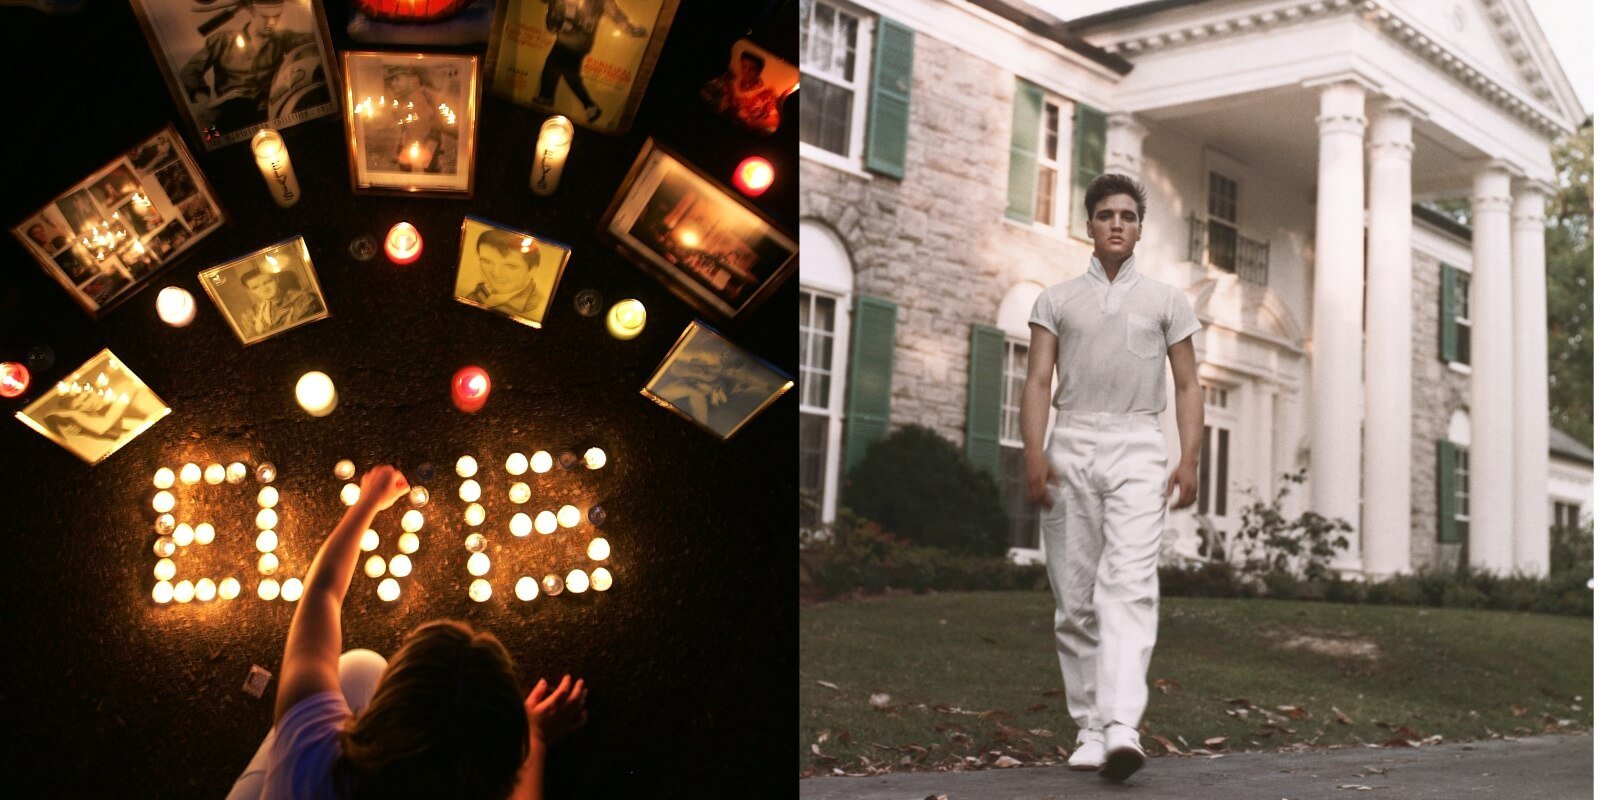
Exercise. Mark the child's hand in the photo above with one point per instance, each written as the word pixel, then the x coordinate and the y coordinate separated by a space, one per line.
pixel 554 714
pixel 382 485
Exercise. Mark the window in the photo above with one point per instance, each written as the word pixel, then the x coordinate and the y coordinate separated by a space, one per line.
pixel 1462 495
pixel 833 78
pixel 1215 439
pixel 817 313
pixel 1048 184
pixel 1222 204
pixel 1463 318
pixel 1566 515
pixel 1023 514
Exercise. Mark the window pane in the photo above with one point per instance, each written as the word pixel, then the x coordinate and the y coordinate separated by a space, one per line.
pixel 1222 471
pixel 847 42
pixel 1052 132
pixel 813 465
pixel 1223 241
pixel 1023 514
pixel 1044 206
pixel 1205 469
pixel 805 31
pixel 823 320
pixel 825 115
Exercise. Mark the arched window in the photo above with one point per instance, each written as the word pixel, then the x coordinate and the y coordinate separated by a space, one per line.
pixel 826 280
pixel 1012 320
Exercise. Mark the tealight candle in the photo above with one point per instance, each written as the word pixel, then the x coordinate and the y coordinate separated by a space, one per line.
pixel 204 533
pixel 408 543
pixel 165 569
pixel 476 542
pixel 567 459
pixel 516 463
pixel 466 466
pixel 411 521
pixel 753 175
pixel 552 585
pixel 267 541
pixel 165 524
pixel 14 379
pixel 268 589
pixel 541 462
pixel 273 160
pixel 236 473
pixel 520 493
pixel 350 494
pixel 344 470
pixel 175 306
pixel 594 458
pixel 521 524
pixel 479 590
pixel 267 564
pixel 478 564
pixel 266 519
pixel 369 541
pixel 577 581
pixel 597 516
pixel 474 515
pixel 215 474
pixel 599 548
pixel 469 389
pixel 190 474
pixel 165 546
pixel 316 394
pixel 403 244
pixel 419 495
pixel 527 588
pixel 164 478
pixel 183 535
pixel 600 579
pixel 545 523
pixel 265 472
pixel 626 319
pixel 205 590
pixel 400 565
pixel 228 588
pixel 162 592
pixel 471 491
pixel 375 566
pixel 183 591
pixel 568 516
pixel 388 590
pixel 292 589
pixel 267 497
pixel 163 501
pixel 550 155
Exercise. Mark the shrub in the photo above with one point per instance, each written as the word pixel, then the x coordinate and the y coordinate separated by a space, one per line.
pixel 1272 543
pixel 854 555
pixel 1212 579
pixel 919 486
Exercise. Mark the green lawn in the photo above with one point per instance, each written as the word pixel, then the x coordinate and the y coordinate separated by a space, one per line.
pixel 975 674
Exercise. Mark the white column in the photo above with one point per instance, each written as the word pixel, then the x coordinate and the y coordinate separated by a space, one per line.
pixel 1490 471
pixel 1530 401
pixel 1125 144
pixel 1386 445
pixel 1336 392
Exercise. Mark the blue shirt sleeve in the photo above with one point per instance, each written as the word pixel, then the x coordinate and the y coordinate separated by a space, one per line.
pixel 305 748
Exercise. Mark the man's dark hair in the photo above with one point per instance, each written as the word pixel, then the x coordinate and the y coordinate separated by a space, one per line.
pixel 1110 184
pixel 511 244
pixel 760 62
pixel 251 274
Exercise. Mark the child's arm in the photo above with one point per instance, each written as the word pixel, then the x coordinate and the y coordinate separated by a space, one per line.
pixel 311 654
pixel 551 716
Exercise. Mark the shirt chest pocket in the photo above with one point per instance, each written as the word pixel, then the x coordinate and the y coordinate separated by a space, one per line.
pixel 1145 339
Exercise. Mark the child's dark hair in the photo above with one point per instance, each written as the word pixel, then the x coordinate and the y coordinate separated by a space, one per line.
pixel 447 720
pixel 1109 184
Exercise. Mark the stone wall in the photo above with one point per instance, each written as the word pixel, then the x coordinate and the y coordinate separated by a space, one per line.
pixel 1436 392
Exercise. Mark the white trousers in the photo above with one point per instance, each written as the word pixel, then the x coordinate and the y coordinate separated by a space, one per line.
pixel 1101 538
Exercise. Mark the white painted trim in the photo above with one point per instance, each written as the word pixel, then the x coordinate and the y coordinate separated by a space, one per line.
pixel 839 374
pixel 866 37
pixel 1457 366
pixel 832 160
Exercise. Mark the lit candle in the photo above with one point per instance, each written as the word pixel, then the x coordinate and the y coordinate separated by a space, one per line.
pixel 478 564
pixel 552 585
pixel 228 589
pixel 183 535
pixel 753 175
pixel 527 588
pixel 369 541
pixel 190 474
pixel 521 524
pixel 267 564
pixel 204 533
pixel 267 497
pixel 175 306
pixel 162 593
pixel 469 389
pixel 408 542
pixel 164 478
pixel 400 565
pixel 165 524
pixel 600 579
pixel 411 521
pixel 471 491
pixel 626 319
pixel 267 541
pixel 474 515
pixel 419 495
pixel 479 590
pixel 545 523
pixel 374 567
pixel 316 394
pixel 205 590
pixel 388 590
pixel 265 472
pixel 594 458
pixel 267 519
pixel 599 548
pixel 165 546
pixel 344 470
pixel 542 462
pixel 403 244
pixel 550 155
pixel 268 590
pixel 350 494
pixel 568 516
pixel 476 542
pixel 520 493
pixel 516 463
pixel 13 379
pixel 292 589
pixel 215 474
pixel 183 592
pixel 577 581
pixel 165 569
pixel 466 466
pixel 236 472
pixel 273 159
pixel 163 501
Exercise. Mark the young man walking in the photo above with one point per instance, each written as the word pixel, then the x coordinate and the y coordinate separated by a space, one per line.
pixel 1102 474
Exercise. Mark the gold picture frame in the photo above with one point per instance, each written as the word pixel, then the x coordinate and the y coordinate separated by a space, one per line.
pixel 267 292
pixel 710 381
pixel 509 272
pixel 411 122
pixel 96 409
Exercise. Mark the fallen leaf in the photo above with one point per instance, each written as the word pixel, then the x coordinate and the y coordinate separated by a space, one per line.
pixel 1376 770
pixel 1216 741
pixel 1294 712
pixel 916 748
pixel 1273 726
pixel 844 737
pixel 991 713
pixel 1517 711
pixel 1166 743
pixel 1007 761
pixel 1237 713
pixel 1062 751
pixel 879 700
pixel 1052 693
pixel 1165 685
pixel 1041 733
pixel 823 737
pixel 1033 709
pixel 1356 786
pixel 1340 715
pixel 817 751
pixel 1240 701
pixel 826 685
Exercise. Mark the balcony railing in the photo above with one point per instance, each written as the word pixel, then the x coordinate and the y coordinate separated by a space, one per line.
pixel 1219 245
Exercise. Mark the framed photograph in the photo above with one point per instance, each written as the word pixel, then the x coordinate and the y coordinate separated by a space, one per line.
pixel 95 410
pixel 752 91
pixel 104 237
pixel 267 292
pixel 508 271
pixel 713 383
pixel 236 66
pixel 588 59
pixel 411 120
pixel 708 246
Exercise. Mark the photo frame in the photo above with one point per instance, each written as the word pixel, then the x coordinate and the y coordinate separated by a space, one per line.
pixel 751 93
pixel 509 272
pixel 411 122
pixel 572 57
pixel 710 247
pixel 109 234
pixel 289 78
pixel 96 409
pixel 267 292
pixel 712 382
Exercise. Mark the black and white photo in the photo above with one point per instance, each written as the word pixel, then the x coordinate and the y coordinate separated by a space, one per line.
pixel 267 292
pixel 96 409
pixel 411 121
pixel 714 383
pixel 507 271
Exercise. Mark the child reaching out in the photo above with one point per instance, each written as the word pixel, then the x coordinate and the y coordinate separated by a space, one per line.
pixel 443 718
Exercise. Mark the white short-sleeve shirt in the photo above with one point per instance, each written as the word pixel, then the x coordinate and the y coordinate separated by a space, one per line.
pixel 1111 338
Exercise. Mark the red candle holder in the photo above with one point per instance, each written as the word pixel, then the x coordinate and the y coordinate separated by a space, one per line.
pixel 753 175
pixel 13 379
pixel 469 389
pixel 403 244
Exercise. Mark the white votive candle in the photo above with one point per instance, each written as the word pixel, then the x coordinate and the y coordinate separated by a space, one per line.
pixel 316 394
pixel 550 154
pixel 273 159
pixel 175 306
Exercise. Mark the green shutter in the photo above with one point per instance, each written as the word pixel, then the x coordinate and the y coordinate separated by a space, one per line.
pixel 1447 492
pixel 871 376
pixel 1447 313
pixel 1027 106
pixel 1088 160
pixel 889 119
pixel 985 374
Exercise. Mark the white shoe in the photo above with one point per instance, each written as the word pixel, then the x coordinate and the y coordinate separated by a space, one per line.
pixel 1090 754
pixel 1123 755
